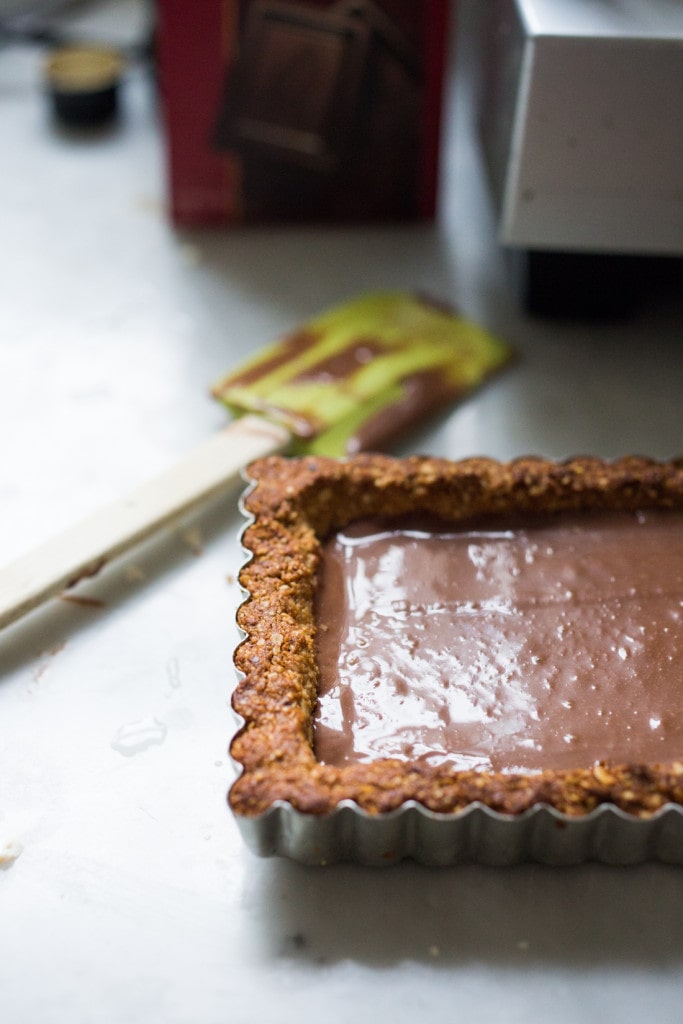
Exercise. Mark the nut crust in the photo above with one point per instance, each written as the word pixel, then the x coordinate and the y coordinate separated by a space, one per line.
pixel 295 505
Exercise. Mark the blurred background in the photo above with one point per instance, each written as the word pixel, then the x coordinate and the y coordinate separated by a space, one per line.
pixel 131 890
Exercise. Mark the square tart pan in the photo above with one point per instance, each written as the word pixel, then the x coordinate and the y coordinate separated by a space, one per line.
pixel 287 803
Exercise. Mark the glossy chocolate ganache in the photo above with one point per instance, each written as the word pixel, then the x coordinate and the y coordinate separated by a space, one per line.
pixel 552 642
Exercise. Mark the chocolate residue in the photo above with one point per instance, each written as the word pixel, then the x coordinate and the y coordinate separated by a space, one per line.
pixel 39 672
pixel 87 573
pixel 344 364
pixel 289 347
pixel 42 667
pixel 193 539
pixel 55 649
pixel 84 602
pixel 424 394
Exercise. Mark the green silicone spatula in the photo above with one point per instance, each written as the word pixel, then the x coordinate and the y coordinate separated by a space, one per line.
pixel 351 379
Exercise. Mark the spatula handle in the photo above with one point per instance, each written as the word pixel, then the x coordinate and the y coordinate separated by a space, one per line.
pixel 84 548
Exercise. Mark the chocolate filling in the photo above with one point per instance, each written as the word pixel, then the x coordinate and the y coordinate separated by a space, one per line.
pixel 549 642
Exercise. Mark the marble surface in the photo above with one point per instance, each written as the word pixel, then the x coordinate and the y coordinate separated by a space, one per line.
pixel 126 893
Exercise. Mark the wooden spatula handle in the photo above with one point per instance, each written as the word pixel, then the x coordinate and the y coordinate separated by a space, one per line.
pixel 84 548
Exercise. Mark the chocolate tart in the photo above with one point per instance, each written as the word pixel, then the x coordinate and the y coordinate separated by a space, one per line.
pixel 293 798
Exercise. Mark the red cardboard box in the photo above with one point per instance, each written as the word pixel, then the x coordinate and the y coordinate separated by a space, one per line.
pixel 302 110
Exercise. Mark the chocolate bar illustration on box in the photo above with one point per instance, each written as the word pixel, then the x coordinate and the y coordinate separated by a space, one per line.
pixel 322 108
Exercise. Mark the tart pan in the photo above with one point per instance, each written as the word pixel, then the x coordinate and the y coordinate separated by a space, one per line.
pixel 288 804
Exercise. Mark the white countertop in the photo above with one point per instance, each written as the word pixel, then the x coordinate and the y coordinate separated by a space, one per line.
pixel 133 898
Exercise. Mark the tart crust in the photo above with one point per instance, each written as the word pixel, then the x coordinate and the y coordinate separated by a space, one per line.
pixel 294 505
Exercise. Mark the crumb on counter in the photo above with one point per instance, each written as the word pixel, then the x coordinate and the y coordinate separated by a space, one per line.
pixel 10 850
pixel 84 602
pixel 134 574
pixel 194 540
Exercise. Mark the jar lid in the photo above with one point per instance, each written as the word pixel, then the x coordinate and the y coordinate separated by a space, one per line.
pixel 83 83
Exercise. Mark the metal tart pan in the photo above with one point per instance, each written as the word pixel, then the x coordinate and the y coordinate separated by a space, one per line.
pixel 476 834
